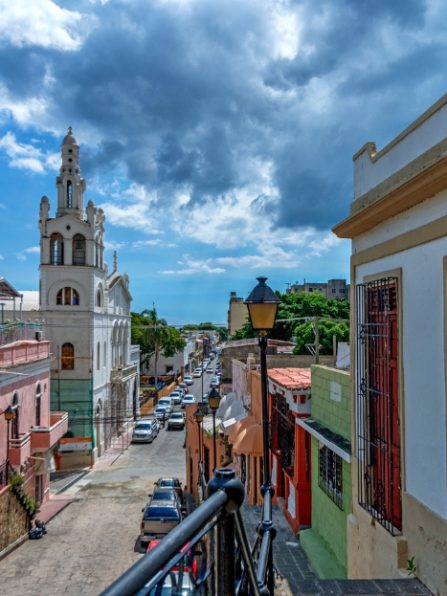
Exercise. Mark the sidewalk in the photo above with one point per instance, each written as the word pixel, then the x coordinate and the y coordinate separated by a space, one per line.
pixel 64 479
pixel 297 578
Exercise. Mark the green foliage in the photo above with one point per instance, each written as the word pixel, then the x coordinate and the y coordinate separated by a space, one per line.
pixel 154 336
pixel 411 566
pixel 304 306
pixel 304 333
pixel 222 331
pixel 16 481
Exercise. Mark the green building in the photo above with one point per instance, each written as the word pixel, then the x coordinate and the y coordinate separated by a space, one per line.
pixel 329 425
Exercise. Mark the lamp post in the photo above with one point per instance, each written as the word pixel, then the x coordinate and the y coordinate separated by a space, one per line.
pixel 213 403
pixel 262 304
pixel 2 306
pixel 198 415
pixel 9 414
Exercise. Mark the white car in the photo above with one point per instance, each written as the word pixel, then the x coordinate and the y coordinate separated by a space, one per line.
pixel 197 373
pixel 215 381
pixel 188 399
pixel 188 379
pixel 176 397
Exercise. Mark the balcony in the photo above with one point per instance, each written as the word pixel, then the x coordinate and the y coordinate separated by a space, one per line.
pixel 124 372
pixel 22 352
pixel 44 437
pixel 19 449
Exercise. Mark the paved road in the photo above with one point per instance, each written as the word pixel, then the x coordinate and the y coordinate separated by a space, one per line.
pixel 94 539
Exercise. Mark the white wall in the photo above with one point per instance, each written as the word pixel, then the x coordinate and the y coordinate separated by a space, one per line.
pixel 368 174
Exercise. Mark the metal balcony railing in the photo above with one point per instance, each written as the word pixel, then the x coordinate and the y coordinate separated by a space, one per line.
pixel 208 552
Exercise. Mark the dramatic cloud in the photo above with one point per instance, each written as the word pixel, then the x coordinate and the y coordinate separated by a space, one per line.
pixel 218 123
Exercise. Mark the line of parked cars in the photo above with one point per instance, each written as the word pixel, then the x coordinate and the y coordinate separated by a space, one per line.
pixel 164 511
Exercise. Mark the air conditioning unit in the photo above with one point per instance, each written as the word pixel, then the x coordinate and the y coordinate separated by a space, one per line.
pixel 38 335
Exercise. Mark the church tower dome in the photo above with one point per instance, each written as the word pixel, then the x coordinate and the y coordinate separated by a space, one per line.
pixel 70 185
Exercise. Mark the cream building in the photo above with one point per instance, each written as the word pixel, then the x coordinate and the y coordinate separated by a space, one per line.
pixel 237 314
pixel 86 311
pixel 398 227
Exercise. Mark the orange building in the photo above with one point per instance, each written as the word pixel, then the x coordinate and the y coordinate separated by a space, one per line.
pixel 289 400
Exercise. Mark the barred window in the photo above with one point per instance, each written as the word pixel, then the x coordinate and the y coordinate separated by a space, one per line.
pixel 330 470
pixel 377 402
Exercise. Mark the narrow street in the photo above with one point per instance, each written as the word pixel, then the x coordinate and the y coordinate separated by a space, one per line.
pixel 95 539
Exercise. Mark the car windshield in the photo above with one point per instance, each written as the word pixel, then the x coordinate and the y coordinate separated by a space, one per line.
pixel 152 512
pixel 143 426
pixel 167 494
pixel 177 415
pixel 161 410
pixel 167 482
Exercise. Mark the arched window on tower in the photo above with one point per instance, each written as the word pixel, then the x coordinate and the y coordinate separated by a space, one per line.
pixel 69 194
pixel 56 249
pixel 67 357
pixel 78 249
pixel 67 297
pixel 99 296
pixel 98 355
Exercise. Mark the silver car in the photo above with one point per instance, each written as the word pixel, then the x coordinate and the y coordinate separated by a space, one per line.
pixel 144 432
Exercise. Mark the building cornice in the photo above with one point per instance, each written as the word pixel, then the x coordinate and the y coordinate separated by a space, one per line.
pixel 422 178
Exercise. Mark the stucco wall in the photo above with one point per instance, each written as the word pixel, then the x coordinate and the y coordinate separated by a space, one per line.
pixel 328 520
pixel 430 131
pixel 334 414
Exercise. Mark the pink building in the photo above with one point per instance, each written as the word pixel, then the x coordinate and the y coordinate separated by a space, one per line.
pixel 29 431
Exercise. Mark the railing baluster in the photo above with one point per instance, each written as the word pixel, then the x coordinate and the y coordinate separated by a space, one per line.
pixel 246 555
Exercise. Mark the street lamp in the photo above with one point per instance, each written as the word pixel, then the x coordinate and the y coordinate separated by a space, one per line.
pixel 2 306
pixel 213 403
pixel 262 304
pixel 9 414
pixel 198 415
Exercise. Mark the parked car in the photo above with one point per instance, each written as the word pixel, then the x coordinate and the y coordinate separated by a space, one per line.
pixel 188 399
pixel 210 370
pixel 167 403
pixel 144 432
pixel 215 381
pixel 159 517
pixel 170 483
pixel 161 414
pixel 176 421
pixel 153 421
pixel 188 379
pixel 176 396
pixel 197 373
pixel 165 493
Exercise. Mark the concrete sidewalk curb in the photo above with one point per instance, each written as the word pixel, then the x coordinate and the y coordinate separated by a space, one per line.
pixel 77 476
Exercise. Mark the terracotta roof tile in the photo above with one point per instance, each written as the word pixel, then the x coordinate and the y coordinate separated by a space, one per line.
pixel 291 378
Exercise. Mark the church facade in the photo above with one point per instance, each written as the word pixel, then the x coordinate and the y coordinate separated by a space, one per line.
pixel 86 312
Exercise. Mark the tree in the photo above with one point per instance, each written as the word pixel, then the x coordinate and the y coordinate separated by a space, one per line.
pixel 155 337
pixel 297 315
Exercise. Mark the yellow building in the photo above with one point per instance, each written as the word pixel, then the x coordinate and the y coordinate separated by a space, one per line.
pixel 237 314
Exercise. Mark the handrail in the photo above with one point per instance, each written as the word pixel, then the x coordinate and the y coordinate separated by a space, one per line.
pixel 233 570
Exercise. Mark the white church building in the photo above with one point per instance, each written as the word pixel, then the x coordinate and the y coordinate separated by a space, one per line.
pixel 86 312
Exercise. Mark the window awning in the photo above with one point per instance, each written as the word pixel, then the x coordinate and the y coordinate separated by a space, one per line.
pixel 239 426
pixel 249 441
pixel 332 440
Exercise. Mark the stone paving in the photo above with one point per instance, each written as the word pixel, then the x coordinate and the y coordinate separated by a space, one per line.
pixel 296 577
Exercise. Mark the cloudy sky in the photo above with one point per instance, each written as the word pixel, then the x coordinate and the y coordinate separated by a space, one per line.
pixel 217 135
